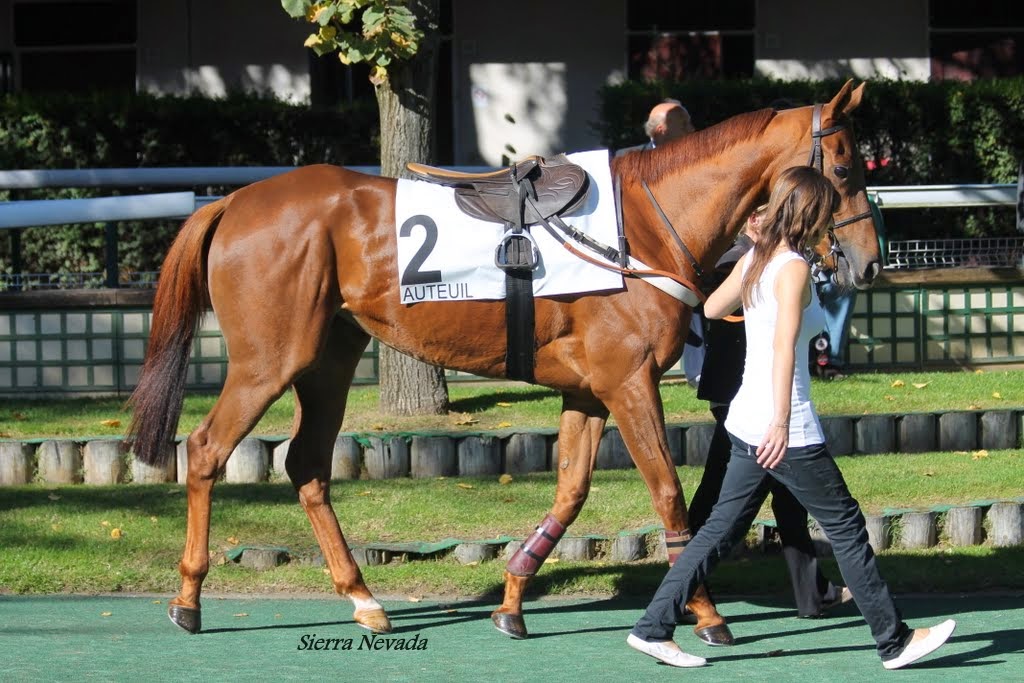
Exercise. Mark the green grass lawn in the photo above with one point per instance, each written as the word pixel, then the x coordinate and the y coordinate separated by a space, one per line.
pixel 479 407
pixel 63 538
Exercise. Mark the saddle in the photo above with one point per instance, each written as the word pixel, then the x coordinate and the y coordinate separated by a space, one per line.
pixel 526 193
pixel 555 186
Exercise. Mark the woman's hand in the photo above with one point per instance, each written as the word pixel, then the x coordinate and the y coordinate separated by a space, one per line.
pixel 773 446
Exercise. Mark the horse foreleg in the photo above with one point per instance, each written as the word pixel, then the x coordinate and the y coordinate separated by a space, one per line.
pixel 638 411
pixel 579 434
pixel 235 413
pixel 321 395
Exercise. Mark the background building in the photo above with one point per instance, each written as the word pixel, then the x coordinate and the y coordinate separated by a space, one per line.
pixel 517 78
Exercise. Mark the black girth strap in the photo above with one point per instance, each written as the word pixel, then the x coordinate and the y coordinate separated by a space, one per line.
pixel 520 321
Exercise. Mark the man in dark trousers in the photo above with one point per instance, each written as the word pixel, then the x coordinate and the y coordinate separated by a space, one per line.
pixel 726 345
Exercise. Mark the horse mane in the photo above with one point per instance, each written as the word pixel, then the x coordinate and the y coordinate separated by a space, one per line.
pixel 652 165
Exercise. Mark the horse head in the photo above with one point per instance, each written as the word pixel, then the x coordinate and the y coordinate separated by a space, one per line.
pixel 850 249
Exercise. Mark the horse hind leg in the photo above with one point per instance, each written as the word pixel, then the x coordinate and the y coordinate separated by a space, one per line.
pixel 321 395
pixel 638 412
pixel 579 435
pixel 239 407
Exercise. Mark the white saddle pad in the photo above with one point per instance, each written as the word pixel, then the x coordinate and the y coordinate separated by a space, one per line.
pixel 445 255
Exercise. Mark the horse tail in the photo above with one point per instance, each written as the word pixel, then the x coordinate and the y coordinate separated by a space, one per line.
pixel 180 299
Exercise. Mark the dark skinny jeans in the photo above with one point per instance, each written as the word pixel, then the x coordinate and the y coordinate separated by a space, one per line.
pixel 810 473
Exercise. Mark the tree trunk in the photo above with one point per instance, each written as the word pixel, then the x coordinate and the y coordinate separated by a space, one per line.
pixel 406 104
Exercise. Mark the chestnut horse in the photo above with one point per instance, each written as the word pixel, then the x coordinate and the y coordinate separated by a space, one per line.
pixel 300 271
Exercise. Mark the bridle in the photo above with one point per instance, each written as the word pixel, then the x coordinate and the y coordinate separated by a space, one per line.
pixel 816 160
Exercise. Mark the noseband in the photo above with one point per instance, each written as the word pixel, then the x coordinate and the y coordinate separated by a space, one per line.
pixel 816 160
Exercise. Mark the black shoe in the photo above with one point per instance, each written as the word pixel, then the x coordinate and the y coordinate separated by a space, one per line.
pixel 844 597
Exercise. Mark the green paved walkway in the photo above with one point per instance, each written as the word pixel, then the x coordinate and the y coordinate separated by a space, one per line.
pixel 257 639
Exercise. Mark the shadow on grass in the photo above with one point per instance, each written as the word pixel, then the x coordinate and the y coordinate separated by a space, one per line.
pixel 475 404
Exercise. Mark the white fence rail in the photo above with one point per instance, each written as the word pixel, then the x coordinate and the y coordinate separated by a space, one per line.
pixel 176 205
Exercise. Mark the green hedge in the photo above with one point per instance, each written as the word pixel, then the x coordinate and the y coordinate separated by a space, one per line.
pixel 110 131
pixel 930 133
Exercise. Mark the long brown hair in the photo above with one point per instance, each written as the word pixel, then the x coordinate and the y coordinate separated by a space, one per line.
pixel 799 210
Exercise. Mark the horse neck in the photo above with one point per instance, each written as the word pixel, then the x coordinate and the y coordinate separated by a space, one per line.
pixel 707 202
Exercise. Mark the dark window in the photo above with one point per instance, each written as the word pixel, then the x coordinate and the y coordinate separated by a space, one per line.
pixel 676 41
pixel 721 15
pixel 966 56
pixel 6 73
pixel 55 24
pixel 75 46
pixel 980 39
pixel 956 14
pixel 78 71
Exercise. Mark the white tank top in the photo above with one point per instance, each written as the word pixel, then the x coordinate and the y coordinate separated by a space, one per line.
pixel 752 409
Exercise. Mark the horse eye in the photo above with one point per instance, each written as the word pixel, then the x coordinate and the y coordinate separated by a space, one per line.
pixel 841 172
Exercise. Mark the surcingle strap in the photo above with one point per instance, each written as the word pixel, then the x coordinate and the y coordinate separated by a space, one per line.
pixel 675 542
pixel 536 548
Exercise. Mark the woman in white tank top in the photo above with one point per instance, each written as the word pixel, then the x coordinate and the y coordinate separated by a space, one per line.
pixel 775 433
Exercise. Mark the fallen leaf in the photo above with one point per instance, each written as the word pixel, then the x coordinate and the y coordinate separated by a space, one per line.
pixel 464 486
pixel 327 571
pixel 55 527
pixel 110 423
pixel 153 519
pixel 466 420
pixel 105 614
pixel 104 523
pixel 973 407
pixel 5 435
pixel 450 611
pixel 551 560
pixel 897 383
pixel 996 394
pixel 115 533
pixel 921 385
pixel 53 496
pixel 241 614
pixel 364 493
pixel 890 398
pixel 158 602
pixel 509 500
pixel 413 598
pixel 378 427
pixel 476 562
pixel 278 616
pixel 503 425
pixel 978 455
pixel 232 540
pixel 505 479
pixel 503 404
pixel 979 372
pixel 595 488
pixel 929 474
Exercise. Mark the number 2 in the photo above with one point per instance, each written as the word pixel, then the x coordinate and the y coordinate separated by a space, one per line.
pixel 413 275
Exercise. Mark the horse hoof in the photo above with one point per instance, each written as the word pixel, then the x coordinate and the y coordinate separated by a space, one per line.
pixel 512 625
pixel 188 618
pixel 375 620
pixel 716 635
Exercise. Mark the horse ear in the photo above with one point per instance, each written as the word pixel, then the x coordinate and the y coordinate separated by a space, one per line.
pixel 847 99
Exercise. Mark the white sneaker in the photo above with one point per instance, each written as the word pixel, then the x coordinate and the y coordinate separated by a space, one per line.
pixel 665 653
pixel 937 635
